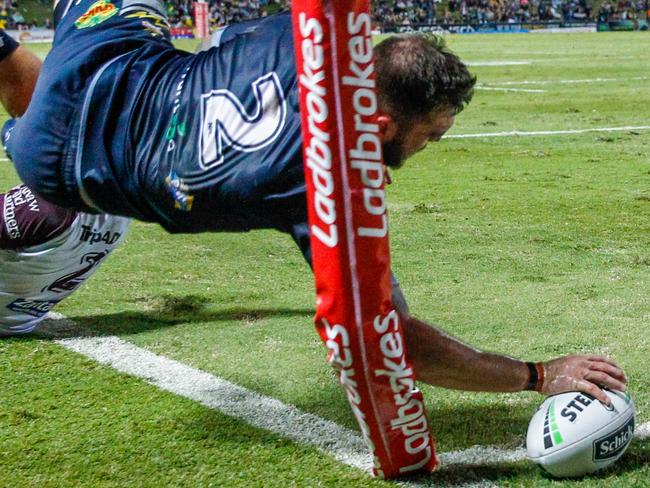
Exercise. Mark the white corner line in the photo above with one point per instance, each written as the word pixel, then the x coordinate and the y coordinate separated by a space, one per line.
pixel 642 432
pixel 495 88
pixel 499 63
pixel 341 443
pixel 565 82
pixel 344 445
pixel 518 133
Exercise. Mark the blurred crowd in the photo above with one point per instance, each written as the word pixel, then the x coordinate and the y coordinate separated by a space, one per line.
pixel 397 13
pixel 476 12
pixel 10 16
pixel 223 12
pixel 623 10
pixel 392 13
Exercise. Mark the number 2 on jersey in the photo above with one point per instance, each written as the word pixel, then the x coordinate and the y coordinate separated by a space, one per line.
pixel 225 122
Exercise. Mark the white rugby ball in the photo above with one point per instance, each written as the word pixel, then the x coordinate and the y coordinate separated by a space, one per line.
pixel 573 434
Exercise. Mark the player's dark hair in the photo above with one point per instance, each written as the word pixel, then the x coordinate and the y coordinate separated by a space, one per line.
pixel 417 74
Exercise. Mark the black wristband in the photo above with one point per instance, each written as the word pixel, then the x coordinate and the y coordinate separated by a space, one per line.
pixel 7 44
pixel 533 377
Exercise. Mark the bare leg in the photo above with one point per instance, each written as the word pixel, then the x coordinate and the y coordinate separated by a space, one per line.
pixel 18 75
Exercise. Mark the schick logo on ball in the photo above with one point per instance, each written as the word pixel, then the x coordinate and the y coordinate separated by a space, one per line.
pixel 552 436
pixel 613 444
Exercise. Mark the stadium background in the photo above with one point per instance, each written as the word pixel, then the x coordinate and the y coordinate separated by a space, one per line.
pixel 534 245
pixel 391 15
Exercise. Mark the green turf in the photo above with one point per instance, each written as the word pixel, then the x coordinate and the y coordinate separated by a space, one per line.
pixel 65 421
pixel 531 246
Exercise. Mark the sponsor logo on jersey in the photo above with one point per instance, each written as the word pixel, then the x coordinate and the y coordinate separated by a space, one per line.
pixel 179 190
pixel 14 199
pixel 35 308
pixel 72 280
pixel 93 236
pixel 6 135
pixel 156 24
pixel 613 444
pixel 96 14
pixel 176 128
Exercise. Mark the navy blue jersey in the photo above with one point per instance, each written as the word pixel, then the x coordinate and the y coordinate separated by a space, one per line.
pixel 123 123
pixel 195 142
pixel 216 140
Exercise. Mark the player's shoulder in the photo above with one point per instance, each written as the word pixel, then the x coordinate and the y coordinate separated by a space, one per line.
pixel 263 28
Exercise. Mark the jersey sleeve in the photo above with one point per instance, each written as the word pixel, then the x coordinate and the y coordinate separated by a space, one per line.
pixel 7 45
pixel 28 220
pixel 300 234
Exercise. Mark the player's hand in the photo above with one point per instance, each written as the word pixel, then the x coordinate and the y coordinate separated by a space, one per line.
pixel 586 373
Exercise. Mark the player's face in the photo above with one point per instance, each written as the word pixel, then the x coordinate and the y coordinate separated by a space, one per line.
pixel 414 138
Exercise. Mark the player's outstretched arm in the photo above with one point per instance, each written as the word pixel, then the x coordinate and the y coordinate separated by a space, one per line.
pixel 442 360
pixel 18 74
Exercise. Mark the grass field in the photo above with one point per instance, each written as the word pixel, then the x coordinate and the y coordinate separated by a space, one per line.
pixel 530 245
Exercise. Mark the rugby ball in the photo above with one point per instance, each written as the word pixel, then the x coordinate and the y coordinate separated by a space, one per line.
pixel 573 434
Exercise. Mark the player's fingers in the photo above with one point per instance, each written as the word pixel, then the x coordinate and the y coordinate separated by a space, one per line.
pixel 612 371
pixel 601 359
pixel 603 379
pixel 588 387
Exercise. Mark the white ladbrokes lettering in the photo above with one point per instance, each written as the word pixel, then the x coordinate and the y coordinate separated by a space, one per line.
pixel 318 152
pixel 340 357
pixel 366 156
pixel 411 417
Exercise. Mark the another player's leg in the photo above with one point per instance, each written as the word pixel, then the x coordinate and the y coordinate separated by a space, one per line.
pixel 46 251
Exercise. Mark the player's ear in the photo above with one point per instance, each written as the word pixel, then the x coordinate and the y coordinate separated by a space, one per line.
pixel 387 127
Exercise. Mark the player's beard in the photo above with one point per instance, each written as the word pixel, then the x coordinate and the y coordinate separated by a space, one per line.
pixel 394 152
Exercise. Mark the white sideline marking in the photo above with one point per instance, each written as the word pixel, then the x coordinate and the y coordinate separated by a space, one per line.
pixel 523 133
pixel 495 88
pixel 270 414
pixel 266 413
pixel 263 412
pixel 497 63
pixel 642 432
pixel 4 160
pixel 565 82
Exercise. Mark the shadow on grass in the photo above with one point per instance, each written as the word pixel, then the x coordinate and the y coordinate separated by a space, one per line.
pixel 495 421
pixel 462 475
pixel 637 456
pixel 162 312
pixel 471 424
